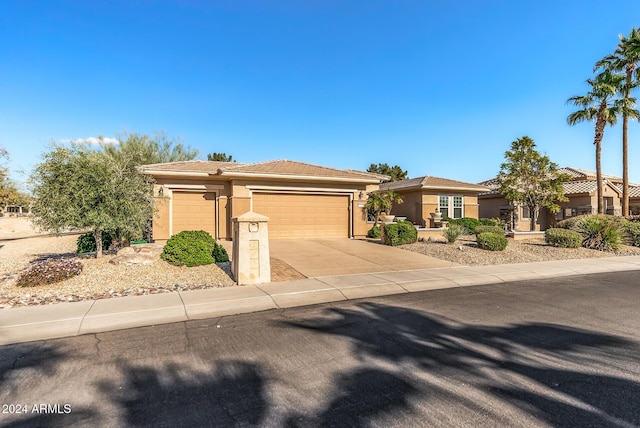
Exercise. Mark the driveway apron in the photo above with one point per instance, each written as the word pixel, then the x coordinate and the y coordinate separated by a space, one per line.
pixel 329 257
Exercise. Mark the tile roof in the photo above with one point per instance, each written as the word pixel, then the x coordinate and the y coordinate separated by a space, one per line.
pixel 274 167
pixel 634 189
pixel 189 166
pixel 430 182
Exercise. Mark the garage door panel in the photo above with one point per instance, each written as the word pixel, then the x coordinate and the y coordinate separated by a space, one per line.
pixel 193 211
pixel 304 216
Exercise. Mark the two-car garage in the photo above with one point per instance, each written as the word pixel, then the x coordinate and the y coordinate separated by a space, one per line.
pixel 304 215
pixel 291 215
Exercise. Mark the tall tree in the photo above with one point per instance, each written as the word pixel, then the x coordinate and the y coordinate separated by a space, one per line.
pixel 140 149
pixel 625 59
pixel 7 188
pixel 219 157
pixel 600 106
pixel 75 187
pixel 528 178
pixel 395 172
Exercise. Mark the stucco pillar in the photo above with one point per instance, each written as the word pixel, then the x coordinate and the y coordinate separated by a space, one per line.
pixel 250 262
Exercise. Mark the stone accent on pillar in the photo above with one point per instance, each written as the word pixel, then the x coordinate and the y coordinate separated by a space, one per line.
pixel 250 261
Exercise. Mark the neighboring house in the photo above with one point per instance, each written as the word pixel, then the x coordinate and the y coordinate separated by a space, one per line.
pixel 15 210
pixel 301 200
pixel 421 196
pixel 583 199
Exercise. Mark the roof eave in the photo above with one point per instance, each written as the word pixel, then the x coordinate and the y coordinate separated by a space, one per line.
pixel 297 177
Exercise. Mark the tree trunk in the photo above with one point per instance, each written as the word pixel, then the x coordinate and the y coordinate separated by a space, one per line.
pixel 625 146
pixel 600 124
pixel 97 234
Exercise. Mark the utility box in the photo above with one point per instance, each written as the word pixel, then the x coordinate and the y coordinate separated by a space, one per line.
pixel 250 261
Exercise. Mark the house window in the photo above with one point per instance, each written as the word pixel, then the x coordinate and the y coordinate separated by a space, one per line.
pixel 526 213
pixel 451 206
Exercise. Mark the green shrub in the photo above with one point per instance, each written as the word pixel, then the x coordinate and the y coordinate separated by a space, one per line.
pixel 492 241
pixel 601 232
pixel 400 233
pixel 633 233
pixel 563 238
pixel 491 222
pixel 87 243
pixel 374 232
pixel 49 271
pixel 453 232
pixel 189 248
pixel 468 223
pixel 489 229
pixel 220 253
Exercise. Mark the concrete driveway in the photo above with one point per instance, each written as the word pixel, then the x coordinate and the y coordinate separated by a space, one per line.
pixel 328 257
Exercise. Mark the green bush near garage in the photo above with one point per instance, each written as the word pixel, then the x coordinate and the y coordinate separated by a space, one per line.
pixel 192 248
pixel 492 241
pixel 400 233
pixel 374 232
pixel 564 238
pixel 490 229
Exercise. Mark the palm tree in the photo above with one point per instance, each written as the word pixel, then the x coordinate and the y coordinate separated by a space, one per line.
pixel 625 59
pixel 601 106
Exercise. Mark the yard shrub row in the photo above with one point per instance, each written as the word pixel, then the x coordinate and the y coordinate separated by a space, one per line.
pixel 193 248
pixel 600 232
pixel 374 232
pixel 489 229
pixel 492 241
pixel 402 232
pixel 87 243
pixel 563 238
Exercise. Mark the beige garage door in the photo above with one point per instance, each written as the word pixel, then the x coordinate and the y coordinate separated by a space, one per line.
pixel 304 216
pixel 194 211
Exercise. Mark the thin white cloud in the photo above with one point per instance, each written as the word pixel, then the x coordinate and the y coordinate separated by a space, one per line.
pixel 90 140
pixel 95 140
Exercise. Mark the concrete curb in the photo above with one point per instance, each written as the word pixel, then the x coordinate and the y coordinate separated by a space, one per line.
pixel 32 323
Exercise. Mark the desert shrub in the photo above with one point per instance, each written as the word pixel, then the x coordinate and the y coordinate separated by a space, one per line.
pixel 374 232
pixel 400 233
pixel 633 218
pixel 49 271
pixel 601 232
pixel 633 233
pixel 563 238
pixel 453 232
pixel 489 229
pixel 492 241
pixel 468 223
pixel 220 253
pixel 87 243
pixel 490 222
pixel 189 248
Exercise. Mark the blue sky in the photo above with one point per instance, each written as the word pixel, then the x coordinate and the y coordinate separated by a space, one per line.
pixel 439 88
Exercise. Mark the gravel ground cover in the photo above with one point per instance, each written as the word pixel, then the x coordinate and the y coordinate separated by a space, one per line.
pixel 465 251
pixel 99 278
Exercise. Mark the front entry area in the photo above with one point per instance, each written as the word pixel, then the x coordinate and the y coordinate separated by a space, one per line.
pixel 304 215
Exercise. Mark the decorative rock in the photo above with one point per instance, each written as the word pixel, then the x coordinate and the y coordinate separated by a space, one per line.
pixel 125 251
pixel 133 259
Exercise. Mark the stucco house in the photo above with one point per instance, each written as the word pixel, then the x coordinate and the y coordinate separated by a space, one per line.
pixel 301 200
pixel 422 195
pixel 581 190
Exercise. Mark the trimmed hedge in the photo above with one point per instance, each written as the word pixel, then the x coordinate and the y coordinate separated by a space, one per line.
pixel 189 248
pixel 468 223
pixel 490 229
pixel 87 243
pixel 374 232
pixel 400 233
pixel 220 253
pixel 490 222
pixel 492 241
pixel 563 238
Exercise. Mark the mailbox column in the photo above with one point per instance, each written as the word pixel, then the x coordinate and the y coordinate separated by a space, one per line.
pixel 250 262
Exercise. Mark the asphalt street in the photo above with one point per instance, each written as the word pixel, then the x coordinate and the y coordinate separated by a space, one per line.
pixel 555 352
